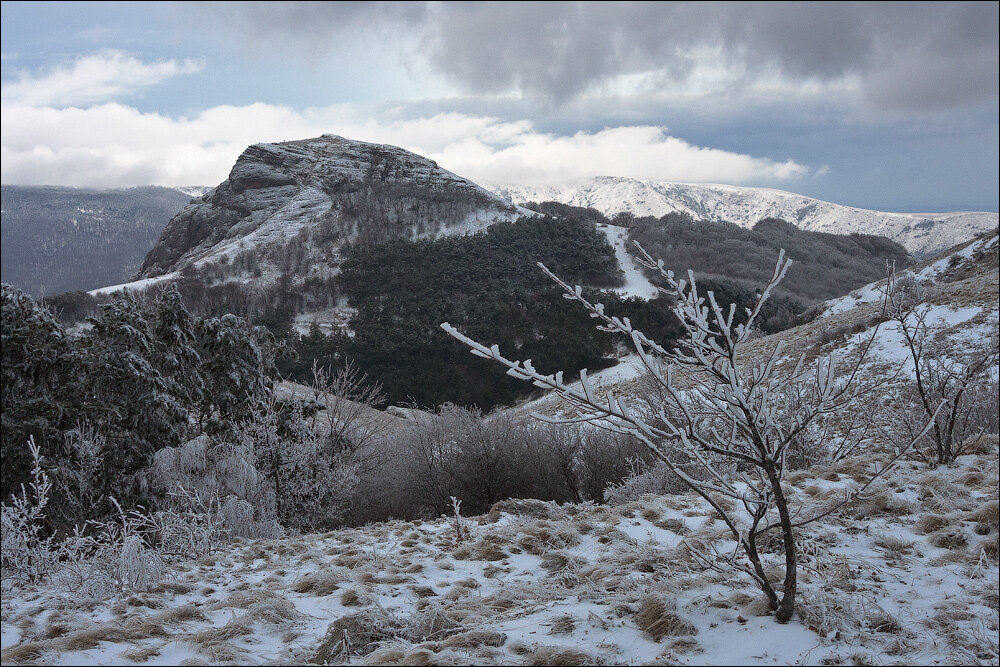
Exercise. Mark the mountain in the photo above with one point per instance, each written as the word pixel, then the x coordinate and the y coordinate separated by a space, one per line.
pixel 921 234
pixel 316 194
pixel 59 239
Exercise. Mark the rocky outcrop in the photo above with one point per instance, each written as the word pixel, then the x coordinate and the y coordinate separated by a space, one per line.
pixel 352 189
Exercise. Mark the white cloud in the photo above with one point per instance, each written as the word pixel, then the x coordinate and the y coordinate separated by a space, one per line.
pixel 94 78
pixel 112 144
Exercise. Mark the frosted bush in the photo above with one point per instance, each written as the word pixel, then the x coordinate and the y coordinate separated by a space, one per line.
pixel 213 489
pixel 657 479
pixel 26 554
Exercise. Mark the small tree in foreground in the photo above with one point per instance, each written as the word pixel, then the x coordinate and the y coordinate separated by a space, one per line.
pixel 727 430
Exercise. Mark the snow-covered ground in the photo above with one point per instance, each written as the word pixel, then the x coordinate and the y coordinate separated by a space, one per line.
pixel 920 233
pixel 908 575
pixel 636 282
pixel 926 274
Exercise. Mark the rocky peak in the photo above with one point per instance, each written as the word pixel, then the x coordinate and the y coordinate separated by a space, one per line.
pixel 354 189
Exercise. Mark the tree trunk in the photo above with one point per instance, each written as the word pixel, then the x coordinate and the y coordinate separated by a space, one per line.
pixel 787 606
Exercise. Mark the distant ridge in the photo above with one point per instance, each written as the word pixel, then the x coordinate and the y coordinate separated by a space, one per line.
pixel 921 234
pixel 58 239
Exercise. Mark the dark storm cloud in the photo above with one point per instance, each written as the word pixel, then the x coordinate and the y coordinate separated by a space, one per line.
pixel 905 56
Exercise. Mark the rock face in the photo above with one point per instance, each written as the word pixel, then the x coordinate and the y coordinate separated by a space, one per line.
pixel 328 187
pixel 920 233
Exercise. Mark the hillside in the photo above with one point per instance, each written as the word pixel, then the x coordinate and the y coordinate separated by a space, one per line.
pixel 904 576
pixel 58 239
pixel 318 193
pixel 919 233
pixel 964 306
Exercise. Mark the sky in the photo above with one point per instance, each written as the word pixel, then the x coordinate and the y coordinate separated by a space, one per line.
pixel 890 106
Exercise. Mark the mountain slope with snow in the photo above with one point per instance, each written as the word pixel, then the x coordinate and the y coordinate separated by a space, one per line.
pixel 322 190
pixel 920 233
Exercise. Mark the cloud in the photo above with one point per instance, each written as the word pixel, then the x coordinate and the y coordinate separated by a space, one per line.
pixel 113 144
pixel 93 78
pixel 898 55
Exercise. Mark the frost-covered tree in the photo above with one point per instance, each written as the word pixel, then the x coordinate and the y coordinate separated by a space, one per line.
pixel 238 366
pixel 963 382
pixel 38 380
pixel 725 423
pixel 130 397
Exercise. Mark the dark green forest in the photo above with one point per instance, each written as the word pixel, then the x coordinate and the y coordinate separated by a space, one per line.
pixel 489 285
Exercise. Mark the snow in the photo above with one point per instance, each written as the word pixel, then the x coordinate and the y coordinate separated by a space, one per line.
pixel 873 292
pixel 920 233
pixel 636 282
pixel 612 559
pixel 134 285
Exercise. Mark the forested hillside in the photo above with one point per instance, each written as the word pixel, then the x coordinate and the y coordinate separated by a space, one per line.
pixel 489 281
pixel 58 239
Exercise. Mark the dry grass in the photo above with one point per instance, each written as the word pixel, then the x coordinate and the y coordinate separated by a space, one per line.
pixel 560 655
pixel 930 523
pixel 23 654
pixel 423 591
pixel 231 630
pixel 142 653
pixel 319 583
pixel 988 514
pixel 475 638
pixel 357 633
pixel 350 598
pixel 950 538
pixel 991 548
pixel 563 625
pixel 894 546
pixel 657 621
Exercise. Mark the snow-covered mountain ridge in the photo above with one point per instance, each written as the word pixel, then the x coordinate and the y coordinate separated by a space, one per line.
pixel 921 233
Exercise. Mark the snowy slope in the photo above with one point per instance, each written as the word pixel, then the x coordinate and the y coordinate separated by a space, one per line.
pixel 537 583
pixel 636 282
pixel 920 233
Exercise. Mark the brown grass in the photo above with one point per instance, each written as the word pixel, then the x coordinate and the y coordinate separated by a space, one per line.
pixel 231 630
pixel 23 654
pixel 930 523
pixel 474 639
pixel 989 514
pixel 894 546
pixel 362 630
pixel 141 653
pixel 952 538
pixel 423 591
pixel 350 598
pixel 657 621
pixel 559 655
pixel 991 548
pixel 319 583
pixel 563 625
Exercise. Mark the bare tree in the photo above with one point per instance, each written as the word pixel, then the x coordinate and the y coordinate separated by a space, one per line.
pixel 725 425
pixel 348 414
pixel 937 377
